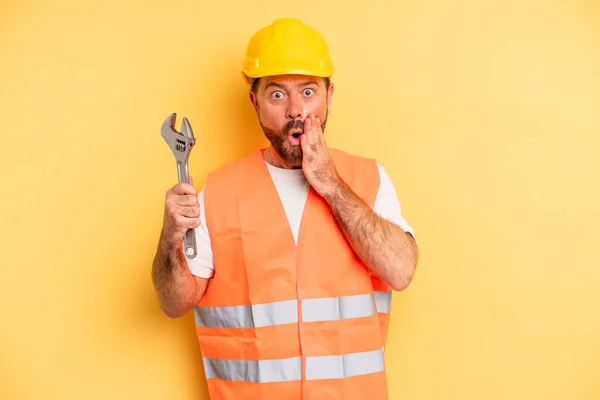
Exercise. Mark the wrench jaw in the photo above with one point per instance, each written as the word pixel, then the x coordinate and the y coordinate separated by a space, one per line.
pixel 186 130
pixel 168 132
pixel 180 143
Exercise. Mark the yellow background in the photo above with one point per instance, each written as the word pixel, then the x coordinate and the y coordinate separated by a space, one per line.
pixel 486 115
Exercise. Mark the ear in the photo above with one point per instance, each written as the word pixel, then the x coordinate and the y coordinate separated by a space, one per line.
pixel 254 101
pixel 329 96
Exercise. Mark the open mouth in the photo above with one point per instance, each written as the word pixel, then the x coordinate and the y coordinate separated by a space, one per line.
pixel 296 132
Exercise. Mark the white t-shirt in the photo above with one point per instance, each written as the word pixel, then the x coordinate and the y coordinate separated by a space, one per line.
pixel 293 187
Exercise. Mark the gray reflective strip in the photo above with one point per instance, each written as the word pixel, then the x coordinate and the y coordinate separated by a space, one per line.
pixel 383 300
pixel 258 371
pixel 337 367
pixel 255 316
pixel 286 312
pixel 290 369
pixel 336 308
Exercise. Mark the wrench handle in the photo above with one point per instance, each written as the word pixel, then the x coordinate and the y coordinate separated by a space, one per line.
pixel 182 171
pixel 189 244
pixel 189 240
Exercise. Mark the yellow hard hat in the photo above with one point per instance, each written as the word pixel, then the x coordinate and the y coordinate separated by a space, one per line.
pixel 287 46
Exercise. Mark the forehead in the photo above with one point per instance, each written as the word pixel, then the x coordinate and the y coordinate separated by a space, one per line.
pixel 290 80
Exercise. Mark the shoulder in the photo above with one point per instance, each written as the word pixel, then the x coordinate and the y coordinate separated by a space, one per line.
pixel 224 174
pixel 341 155
pixel 353 163
pixel 360 173
pixel 231 166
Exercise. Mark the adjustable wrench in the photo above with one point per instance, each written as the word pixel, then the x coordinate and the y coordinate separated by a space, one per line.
pixel 181 144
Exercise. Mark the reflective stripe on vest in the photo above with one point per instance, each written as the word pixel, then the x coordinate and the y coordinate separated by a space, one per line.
pixel 286 312
pixel 289 369
pixel 383 301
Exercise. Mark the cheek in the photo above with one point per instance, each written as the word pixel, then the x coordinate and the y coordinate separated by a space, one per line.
pixel 318 108
pixel 270 117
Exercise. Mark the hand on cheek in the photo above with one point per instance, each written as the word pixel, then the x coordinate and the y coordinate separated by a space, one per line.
pixel 316 163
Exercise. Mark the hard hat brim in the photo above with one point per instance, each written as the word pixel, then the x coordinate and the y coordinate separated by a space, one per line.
pixel 249 77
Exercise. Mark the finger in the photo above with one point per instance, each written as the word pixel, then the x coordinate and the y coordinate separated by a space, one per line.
pixel 194 223
pixel 308 152
pixel 186 200
pixel 320 136
pixel 184 188
pixel 304 138
pixel 187 223
pixel 309 126
pixel 317 126
pixel 312 133
pixel 189 212
pixel 304 141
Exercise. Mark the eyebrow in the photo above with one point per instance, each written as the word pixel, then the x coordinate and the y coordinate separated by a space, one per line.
pixel 302 84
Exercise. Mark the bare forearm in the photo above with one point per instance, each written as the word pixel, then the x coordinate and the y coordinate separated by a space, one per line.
pixel 175 286
pixel 388 251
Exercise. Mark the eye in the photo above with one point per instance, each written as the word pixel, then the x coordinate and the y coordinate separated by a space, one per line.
pixel 277 95
pixel 308 92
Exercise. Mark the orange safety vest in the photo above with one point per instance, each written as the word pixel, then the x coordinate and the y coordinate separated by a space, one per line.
pixel 280 321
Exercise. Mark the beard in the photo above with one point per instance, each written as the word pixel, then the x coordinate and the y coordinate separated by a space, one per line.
pixel 290 155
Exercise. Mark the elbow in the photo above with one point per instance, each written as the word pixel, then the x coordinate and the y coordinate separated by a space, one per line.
pixel 403 279
pixel 175 312
pixel 176 308
pixel 400 283
pixel 172 312
pixel 402 266
pixel 406 272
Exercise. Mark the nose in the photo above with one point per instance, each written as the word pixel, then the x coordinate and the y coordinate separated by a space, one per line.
pixel 295 109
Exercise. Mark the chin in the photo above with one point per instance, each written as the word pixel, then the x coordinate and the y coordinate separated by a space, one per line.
pixel 292 163
pixel 297 164
pixel 291 156
pixel 295 161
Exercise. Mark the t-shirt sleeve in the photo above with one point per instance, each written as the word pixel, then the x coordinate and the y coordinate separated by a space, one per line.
pixel 387 204
pixel 202 265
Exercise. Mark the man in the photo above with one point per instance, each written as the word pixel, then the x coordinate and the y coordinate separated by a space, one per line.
pixel 302 244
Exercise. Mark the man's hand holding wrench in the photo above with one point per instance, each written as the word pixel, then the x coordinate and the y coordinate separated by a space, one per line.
pixel 182 210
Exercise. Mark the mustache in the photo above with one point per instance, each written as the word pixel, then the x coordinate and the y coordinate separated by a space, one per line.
pixel 294 124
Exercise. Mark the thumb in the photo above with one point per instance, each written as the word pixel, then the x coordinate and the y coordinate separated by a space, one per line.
pixel 191 180
pixel 304 142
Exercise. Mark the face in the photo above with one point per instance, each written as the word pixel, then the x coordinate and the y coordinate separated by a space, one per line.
pixel 282 103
